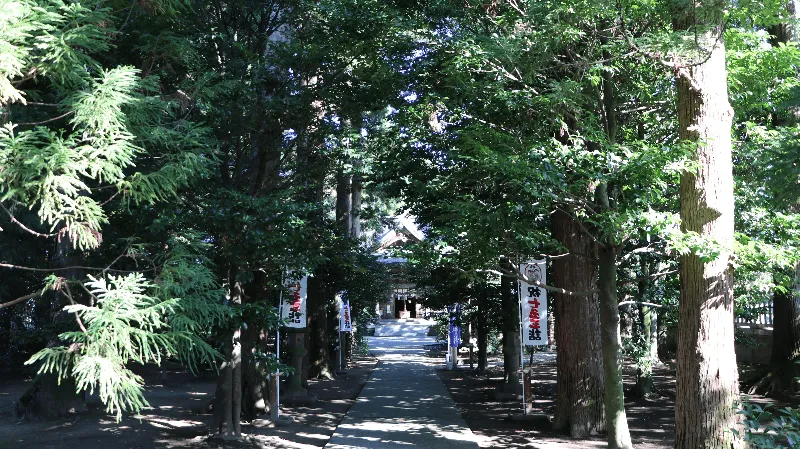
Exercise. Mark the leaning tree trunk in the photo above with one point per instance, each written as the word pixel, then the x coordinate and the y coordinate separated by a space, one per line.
pixel 579 383
pixel 707 376
pixel 511 342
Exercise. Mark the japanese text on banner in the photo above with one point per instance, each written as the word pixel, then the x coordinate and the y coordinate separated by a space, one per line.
pixel 345 323
pixel 293 308
pixel 534 304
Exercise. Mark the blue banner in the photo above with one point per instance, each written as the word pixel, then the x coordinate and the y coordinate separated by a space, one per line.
pixel 454 331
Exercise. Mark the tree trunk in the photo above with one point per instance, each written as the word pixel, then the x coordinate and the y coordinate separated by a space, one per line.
pixel 511 342
pixel 255 393
pixel 482 334
pixel 707 376
pixel 47 398
pixel 319 354
pixel 355 214
pixel 343 204
pixel 619 437
pixel 579 383
pixel 780 376
pixel 647 330
pixel 228 397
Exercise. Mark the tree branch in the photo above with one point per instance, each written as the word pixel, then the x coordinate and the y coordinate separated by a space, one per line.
pixel 68 294
pixel 648 277
pixel 20 299
pixel 522 277
pixel 19 223
pixel 641 250
pixel 583 228
pixel 46 121
pixel 50 270
pixel 94 299
pixel 625 303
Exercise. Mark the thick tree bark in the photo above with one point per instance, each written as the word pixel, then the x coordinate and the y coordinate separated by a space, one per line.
pixel 579 384
pixel 255 395
pixel 707 375
pixel 511 342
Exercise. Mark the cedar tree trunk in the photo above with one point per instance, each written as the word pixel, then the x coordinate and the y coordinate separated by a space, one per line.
pixel 707 374
pixel 579 385
pixel 511 342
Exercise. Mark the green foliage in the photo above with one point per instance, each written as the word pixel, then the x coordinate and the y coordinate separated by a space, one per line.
pixel 132 319
pixel 770 427
pixel 73 127
pixel 638 348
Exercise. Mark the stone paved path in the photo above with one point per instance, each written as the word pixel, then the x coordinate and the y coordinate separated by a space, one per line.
pixel 404 404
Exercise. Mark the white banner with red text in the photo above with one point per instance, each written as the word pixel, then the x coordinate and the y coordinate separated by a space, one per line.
pixel 533 301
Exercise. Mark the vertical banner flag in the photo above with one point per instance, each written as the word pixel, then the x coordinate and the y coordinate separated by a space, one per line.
pixel 293 308
pixel 454 331
pixel 534 304
pixel 345 324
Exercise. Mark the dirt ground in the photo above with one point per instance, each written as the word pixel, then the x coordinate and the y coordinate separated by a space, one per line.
pixel 172 422
pixel 650 420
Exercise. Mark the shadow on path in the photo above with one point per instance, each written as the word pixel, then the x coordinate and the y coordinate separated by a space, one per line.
pixel 404 403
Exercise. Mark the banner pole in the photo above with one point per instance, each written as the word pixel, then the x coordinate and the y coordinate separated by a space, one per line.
pixel 521 349
pixel 277 413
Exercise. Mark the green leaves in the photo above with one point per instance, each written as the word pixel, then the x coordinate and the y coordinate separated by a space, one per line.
pixel 770 427
pixel 133 319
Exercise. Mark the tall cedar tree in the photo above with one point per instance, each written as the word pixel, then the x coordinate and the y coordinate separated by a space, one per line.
pixel 707 375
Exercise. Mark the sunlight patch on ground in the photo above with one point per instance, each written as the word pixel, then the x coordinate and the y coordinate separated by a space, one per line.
pixel 277 442
pixel 172 423
pixel 315 436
